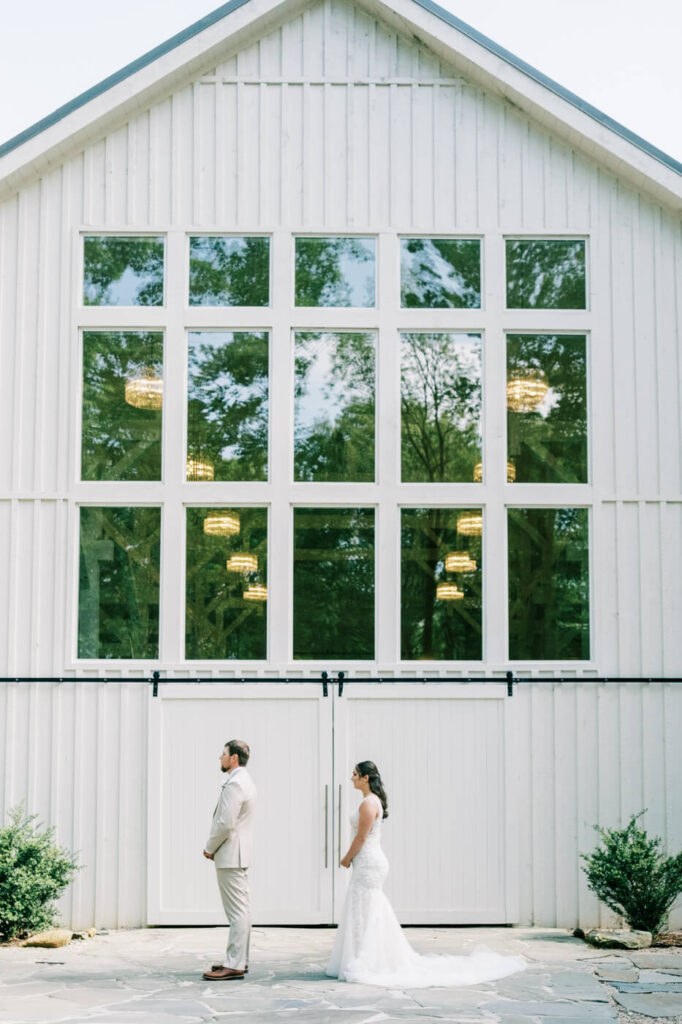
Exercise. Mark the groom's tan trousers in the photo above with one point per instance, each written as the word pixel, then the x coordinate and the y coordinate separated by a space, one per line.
pixel 234 892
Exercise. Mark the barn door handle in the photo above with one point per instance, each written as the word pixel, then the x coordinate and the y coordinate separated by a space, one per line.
pixel 326 826
pixel 339 822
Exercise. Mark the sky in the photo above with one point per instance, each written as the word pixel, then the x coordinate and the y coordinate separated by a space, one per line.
pixel 620 55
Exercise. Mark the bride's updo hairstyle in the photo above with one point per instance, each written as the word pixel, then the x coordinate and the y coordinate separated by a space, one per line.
pixel 376 786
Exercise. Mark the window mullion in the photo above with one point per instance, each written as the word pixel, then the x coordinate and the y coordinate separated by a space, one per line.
pixel 172 606
pixel 280 460
pixel 494 457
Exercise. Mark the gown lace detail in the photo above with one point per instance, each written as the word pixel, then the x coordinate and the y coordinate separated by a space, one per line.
pixel 370 946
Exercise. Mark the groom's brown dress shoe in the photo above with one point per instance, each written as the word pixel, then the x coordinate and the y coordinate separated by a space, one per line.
pixel 219 967
pixel 223 974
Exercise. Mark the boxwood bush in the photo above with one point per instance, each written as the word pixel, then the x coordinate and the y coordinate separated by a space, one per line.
pixel 34 872
pixel 631 875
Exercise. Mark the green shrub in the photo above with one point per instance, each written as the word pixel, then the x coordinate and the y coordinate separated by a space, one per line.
pixel 632 877
pixel 34 872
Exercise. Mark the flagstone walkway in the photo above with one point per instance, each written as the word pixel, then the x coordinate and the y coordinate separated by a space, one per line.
pixel 153 976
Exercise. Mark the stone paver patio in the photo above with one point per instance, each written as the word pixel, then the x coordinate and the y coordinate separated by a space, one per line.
pixel 153 976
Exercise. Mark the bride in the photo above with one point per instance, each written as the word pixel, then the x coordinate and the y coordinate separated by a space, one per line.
pixel 370 947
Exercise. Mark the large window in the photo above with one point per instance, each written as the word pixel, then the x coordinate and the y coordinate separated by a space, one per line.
pixel 226 583
pixel 441 552
pixel 441 407
pixel 334 583
pixel 228 271
pixel 549 598
pixel 118 609
pixel 326 424
pixel 334 406
pixel 547 408
pixel 546 274
pixel 440 273
pixel 227 405
pixel 122 271
pixel 122 405
pixel 335 271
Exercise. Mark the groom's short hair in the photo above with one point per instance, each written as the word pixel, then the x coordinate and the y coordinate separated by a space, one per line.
pixel 241 749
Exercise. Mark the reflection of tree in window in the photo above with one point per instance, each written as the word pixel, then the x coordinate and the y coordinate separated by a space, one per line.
pixel 441 406
pixel 440 273
pixel 228 403
pixel 548 584
pixel 119 440
pixel 334 406
pixel 432 628
pixel 118 607
pixel 227 271
pixel 335 271
pixel 220 621
pixel 545 274
pixel 122 271
pixel 334 583
pixel 548 444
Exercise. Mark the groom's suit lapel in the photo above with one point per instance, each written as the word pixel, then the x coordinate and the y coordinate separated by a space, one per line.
pixel 226 783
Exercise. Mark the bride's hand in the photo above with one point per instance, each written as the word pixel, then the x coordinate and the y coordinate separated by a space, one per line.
pixel 345 861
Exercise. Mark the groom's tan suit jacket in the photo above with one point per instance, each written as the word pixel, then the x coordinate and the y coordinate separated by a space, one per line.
pixel 231 838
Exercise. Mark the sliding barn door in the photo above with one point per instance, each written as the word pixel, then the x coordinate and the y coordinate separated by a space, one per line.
pixel 441 749
pixel 289 730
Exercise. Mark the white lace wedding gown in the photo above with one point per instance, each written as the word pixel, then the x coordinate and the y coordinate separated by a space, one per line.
pixel 370 946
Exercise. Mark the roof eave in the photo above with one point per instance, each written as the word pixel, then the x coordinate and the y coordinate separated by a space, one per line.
pixel 135 87
pixel 484 62
pixel 495 70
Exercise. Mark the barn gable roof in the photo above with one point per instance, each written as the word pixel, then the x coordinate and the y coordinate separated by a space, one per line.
pixel 47 141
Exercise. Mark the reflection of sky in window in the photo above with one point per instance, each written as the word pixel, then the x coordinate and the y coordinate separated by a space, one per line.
pixel 204 246
pixel 356 262
pixel 549 402
pixel 358 274
pixel 202 346
pixel 323 396
pixel 126 289
pixel 440 271
pixel 542 273
pixel 122 292
pixel 463 360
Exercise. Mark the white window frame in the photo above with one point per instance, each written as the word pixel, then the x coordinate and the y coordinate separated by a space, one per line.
pixel 280 494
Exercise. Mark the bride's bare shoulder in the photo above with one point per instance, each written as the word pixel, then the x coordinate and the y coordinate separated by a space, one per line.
pixel 371 798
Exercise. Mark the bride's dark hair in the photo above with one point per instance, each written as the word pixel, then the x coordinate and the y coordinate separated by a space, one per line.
pixel 376 786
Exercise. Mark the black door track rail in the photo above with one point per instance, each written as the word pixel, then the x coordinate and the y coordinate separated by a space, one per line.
pixel 341 680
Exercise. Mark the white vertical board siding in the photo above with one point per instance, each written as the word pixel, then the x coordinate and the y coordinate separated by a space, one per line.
pixel 76 755
pixel 578 754
pixel 333 122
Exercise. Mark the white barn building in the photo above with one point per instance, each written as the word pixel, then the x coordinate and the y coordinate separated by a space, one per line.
pixel 334 338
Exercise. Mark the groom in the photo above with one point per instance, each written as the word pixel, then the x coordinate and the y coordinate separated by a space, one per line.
pixel 230 846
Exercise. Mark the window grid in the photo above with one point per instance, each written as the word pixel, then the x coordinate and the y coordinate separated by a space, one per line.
pixel 280 494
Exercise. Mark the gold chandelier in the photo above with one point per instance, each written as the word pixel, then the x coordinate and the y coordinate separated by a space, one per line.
pixel 448 592
pixel 478 473
pixel 459 561
pixel 243 562
pixel 470 524
pixel 526 389
pixel 199 469
pixel 145 390
pixel 221 524
pixel 256 592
